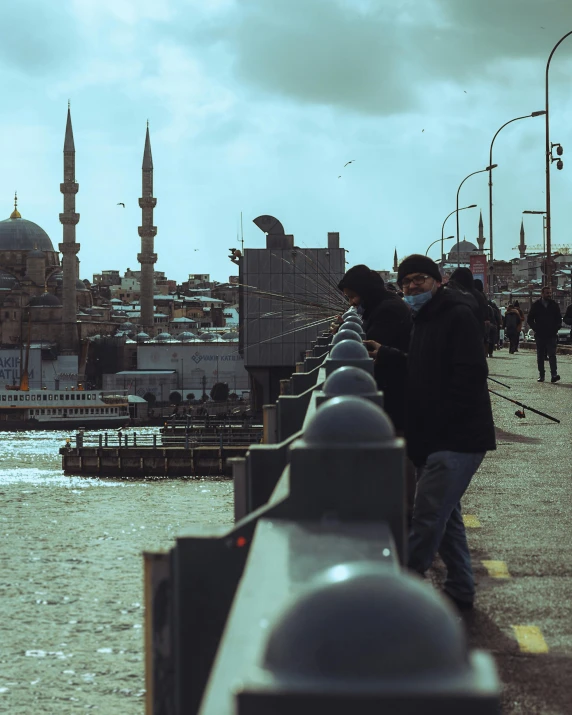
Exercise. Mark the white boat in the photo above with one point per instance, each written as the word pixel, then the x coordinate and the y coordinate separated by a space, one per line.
pixel 61 409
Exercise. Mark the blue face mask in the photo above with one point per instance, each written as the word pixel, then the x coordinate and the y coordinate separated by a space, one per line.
pixel 416 302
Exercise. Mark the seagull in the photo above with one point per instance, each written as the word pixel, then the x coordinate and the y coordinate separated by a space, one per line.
pixel 339 177
pixel 348 162
pixel 422 131
pixel 121 204
pixel 465 91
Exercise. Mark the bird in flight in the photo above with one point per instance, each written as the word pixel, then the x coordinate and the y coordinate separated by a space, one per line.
pixel 422 131
pixel 339 177
pixel 349 162
pixel 121 204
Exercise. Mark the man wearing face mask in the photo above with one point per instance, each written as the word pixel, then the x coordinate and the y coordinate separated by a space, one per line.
pixel 449 423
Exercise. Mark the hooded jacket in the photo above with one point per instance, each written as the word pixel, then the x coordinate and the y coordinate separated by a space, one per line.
pixel 387 320
pixel 462 280
pixel 447 399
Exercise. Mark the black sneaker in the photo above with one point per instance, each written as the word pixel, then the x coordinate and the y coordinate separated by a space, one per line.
pixel 540 379
pixel 555 378
pixel 459 604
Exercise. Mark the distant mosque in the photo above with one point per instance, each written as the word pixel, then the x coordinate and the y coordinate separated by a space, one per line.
pixel 43 300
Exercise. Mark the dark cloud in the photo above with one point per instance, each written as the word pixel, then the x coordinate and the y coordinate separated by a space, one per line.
pixel 36 36
pixel 374 58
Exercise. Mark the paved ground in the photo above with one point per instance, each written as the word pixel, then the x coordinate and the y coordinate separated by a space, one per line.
pixel 520 505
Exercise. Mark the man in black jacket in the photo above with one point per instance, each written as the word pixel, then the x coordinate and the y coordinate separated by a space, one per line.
pixel 545 319
pixel 386 320
pixel 449 423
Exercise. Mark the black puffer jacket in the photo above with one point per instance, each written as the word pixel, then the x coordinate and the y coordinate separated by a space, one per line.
pixel 447 402
pixel 545 321
pixel 387 320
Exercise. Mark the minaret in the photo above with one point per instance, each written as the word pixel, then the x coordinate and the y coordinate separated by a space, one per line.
pixel 522 244
pixel 481 238
pixel 69 247
pixel 395 261
pixel 147 231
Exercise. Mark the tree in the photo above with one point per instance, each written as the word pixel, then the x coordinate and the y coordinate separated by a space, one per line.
pixel 150 397
pixel 219 392
pixel 191 396
pixel 233 397
pixel 175 398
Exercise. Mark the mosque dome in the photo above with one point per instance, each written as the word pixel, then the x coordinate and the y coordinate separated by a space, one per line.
pixel 46 300
pixel 19 234
pixel 465 247
pixel 36 253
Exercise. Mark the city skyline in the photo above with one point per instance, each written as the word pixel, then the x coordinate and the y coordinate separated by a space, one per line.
pixel 240 122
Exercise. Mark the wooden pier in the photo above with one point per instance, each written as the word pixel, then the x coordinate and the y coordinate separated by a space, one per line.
pixel 166 455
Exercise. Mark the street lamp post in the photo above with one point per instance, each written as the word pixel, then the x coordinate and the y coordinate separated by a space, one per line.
pixel 543 214
pixel 491 256
pixel 549 160
pixel 480 171
pixel 437 241
pixel 472 206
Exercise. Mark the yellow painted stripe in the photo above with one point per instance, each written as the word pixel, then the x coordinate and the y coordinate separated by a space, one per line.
pixel 496 569
pixel 471 521
pixel 530 639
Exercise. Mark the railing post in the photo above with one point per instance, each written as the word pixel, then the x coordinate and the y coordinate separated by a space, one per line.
pixel 155 440
pixel 269 424
pixel 100 441
pixel 134 439
pixel 106 439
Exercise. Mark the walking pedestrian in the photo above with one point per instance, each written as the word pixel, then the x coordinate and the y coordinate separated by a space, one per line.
pixel 545 319
pixel 512 326
pixel 449 423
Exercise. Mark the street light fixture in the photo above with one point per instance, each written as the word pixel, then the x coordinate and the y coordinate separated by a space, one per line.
pixel 491 256
pixel 549 159
pixel 472 206
pixel 480 171
pixel 437 241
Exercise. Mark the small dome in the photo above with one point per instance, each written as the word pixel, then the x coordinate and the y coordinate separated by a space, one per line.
pixel 464 247
pixel 142 336
pixel 80 286
pixel 207 336
pixel 230 336
pixel 184 337
pixel 46 300
pixel 163 336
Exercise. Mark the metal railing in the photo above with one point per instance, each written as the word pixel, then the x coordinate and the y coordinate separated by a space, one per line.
pixel 187 439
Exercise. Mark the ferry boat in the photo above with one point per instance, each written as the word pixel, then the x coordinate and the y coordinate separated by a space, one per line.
pixel 34 409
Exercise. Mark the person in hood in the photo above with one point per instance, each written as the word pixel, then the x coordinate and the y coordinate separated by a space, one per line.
pixel 387 320
pixel 448 419
pixel 512 327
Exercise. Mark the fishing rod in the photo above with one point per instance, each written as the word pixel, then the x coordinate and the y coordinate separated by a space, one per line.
pixel 499 382
pixel 524 407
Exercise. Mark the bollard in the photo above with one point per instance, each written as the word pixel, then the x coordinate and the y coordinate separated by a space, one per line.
pixel 348 352
pixel 269 424
pixel 285 387
pixel 362 638
pixel 346 334
pixel 349 380
pixel 349 450
pixel 240 484
pixel 350 325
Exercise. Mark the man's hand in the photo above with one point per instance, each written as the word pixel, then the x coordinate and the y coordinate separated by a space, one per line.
pixel 335 324
pixel 372 348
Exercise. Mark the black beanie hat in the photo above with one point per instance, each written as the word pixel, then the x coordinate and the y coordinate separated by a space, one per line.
pixel 417 263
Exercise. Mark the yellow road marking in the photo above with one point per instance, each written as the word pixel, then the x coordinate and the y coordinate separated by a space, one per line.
pixel 496 569
pixel 471 521
pixel 530 639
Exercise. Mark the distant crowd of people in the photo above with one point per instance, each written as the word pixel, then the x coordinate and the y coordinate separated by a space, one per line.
pixel 430 343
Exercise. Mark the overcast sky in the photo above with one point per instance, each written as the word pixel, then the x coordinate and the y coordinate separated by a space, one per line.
pixel 256 105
